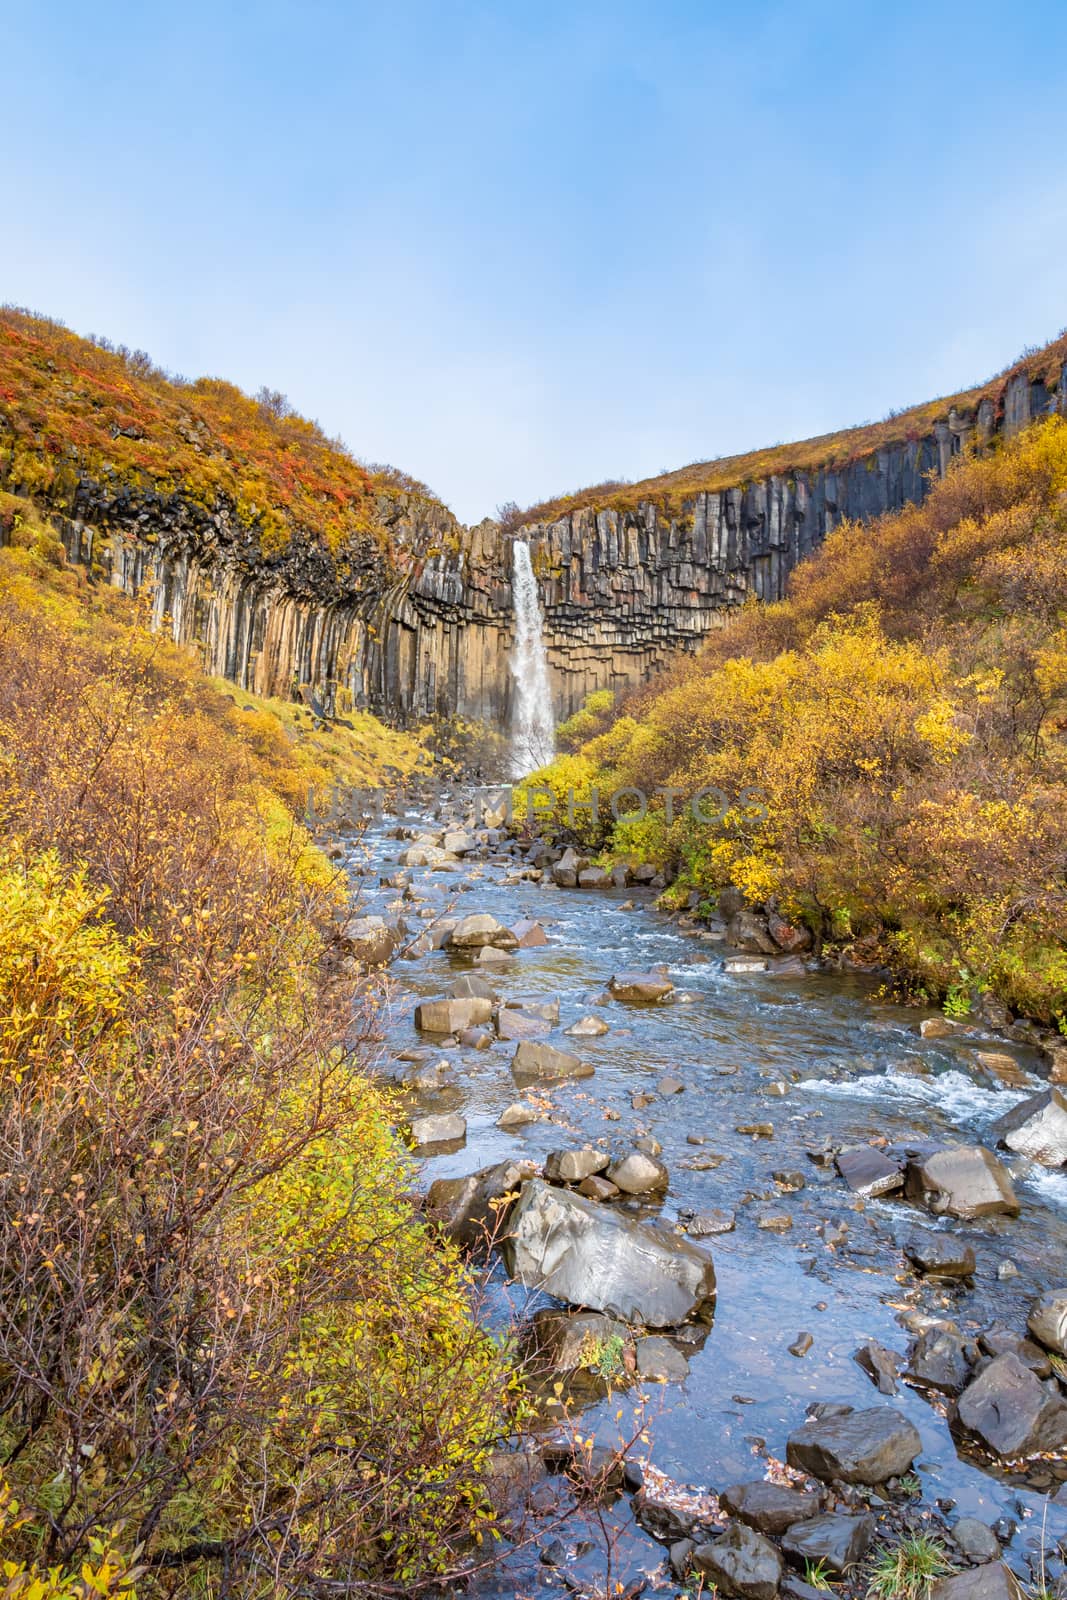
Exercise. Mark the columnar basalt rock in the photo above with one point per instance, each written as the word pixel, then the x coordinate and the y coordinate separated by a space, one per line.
pixel 423 627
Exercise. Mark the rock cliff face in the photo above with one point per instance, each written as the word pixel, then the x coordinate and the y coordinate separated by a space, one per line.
pixel 426 629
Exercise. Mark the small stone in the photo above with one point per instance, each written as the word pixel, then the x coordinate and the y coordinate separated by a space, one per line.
pixel 638 1173
pixel 571 1166
pixel 868 1172
pixel 669 1086
pixel 428 1133
pixel 789 1182
pixel 1048 1321
pixel 597 1188
pixel 517 1115
pixel 640 987
pixel 801 1344
pixel 537 1062
pixel 975 1540
pixel 708 1223
pixel 587 1028
pixel 757 1130
pixel 775 1222
pixel 836 1541
pixel 770 1508
pixel 880 1365
pixel 939 1255
pixel 659 1361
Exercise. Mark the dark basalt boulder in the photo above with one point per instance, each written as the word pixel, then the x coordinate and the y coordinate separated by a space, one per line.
pixel 860 1447
pixel 742 1563
pixel 591 1256
pixel 770 1507
pixel 836 1540
pixel 1012 1411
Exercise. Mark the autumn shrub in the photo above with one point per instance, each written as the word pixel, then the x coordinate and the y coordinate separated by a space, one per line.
pixel 889 738
pixel 232 1358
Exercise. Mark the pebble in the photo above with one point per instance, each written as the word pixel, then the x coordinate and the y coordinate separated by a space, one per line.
pixel 801 1344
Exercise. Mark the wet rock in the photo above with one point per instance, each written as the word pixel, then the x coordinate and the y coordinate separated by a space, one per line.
pixel 570 1341
pixel 1037 1128
pixel 775 1222
pixel 490 956
pixel 481 931
pixel 770 1507
pixel 756 1130
pixel 742 1563
pixel 450 1016
pixel 680 1556
pixel 512 1025
pixel 939 1028
pixel 880 1365
pixel 860 1447
pixel 836 1540
pixel 547 1010
pixel 975 1540
pixel 474 1038
pixel 651 1146
pixel 543 1063
pixel 1004 1341
pixel 595 878
pixel 801 1345
pixel 1048 1321
pixel 471 984
pixel 593 1256
pixel 529 935
pixel 669 1086
pixel 994 1581
pixel 638 1173
pixel 1002 1067
pixel 664 1521
pixel 939 1255
pixel 471 1209
pixel 708 1223
pixel 457 843
pixel 431 1133
pixel 868 1172
pixel 659 1361
pixel 587 1028
pixel 517 1115
pixel 744 964
pixel 938 1362
pixel 571 1166
pixel 1012 1412
pixel 787 935
pixel 640 987
pixel 598 1188
pixel 566 869
pixel 790 1182
pixel 428 1079
pixel 747 930
pixel 370 940
pixel 965 1181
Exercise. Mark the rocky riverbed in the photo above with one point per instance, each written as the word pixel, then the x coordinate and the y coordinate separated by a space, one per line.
pixel 793 1257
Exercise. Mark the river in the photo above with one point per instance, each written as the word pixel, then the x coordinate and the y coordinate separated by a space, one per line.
pixel 824 1059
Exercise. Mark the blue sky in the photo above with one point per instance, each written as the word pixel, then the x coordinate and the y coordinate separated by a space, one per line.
pixel 515 248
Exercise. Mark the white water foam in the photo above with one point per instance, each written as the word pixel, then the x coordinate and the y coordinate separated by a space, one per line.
pixel 954 1093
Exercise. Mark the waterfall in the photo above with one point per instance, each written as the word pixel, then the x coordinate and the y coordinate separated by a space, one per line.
pixel 533 726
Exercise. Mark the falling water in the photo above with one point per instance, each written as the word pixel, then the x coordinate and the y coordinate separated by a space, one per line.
pixel 533 727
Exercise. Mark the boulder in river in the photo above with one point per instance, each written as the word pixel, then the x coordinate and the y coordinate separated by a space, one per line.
pixel 371 940
pixel 640 987
pixel 434 1132
pixel 938 1362
pixel 566 870
pixel 857 1447
pixel 660 1361
pixel 469 984
pixel 479 931
pixel 940 1255
pixel 742 1563
pixel 836 1541
pixel 965 1181
pixel 595 878
pixel 568 1341
pixel 1012 1411
pixel 994 1581
pixel 471 1209
pixel 534 1062
pixel 975 1540
pixel 529 934
pixel 571 1166
pixel 592 1256
pixel 770 1507
pixel 1048 1321
pixel 587 1028
pixel 748 931
pixel 880 1365
pixel 513 1025
pixel 451 1016
pixel 1036 1128
pixel 518 1115
pixel 638 1173
pixel 868 1172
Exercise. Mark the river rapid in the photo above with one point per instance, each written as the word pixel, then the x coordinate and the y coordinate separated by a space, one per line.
pixel 818 1061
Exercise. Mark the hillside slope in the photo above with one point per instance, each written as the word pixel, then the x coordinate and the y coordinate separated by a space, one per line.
pixel 902 715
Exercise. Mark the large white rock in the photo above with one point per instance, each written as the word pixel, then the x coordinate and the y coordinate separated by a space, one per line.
pixel 1037 1128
